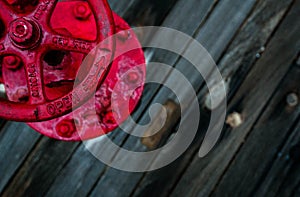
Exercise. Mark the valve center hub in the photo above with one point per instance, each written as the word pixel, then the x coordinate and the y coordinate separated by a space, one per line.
pixel 24 33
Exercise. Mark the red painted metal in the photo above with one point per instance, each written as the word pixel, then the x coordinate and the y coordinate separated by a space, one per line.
pixel 84 122
pixel 60 65
pixel 26 39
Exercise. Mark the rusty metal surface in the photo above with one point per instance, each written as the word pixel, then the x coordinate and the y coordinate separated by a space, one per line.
pixel 43 48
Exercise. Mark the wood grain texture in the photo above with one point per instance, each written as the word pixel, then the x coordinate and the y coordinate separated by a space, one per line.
pixel 250 101
pixel 38 171
pixel 239 12
pixel 16 141
pixel 263 144
pixel 240 55
pixel 256 44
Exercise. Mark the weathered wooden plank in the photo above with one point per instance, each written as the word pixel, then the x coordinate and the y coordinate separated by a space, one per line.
pixel 78 176
pixel 239 12
pixel 147 13
pixel 290 176
pixel 16 141
pixel 283 177
pixel 254 34
pixel 42 165
pixel 265 140
pixel 250 43
pixel 142 13
pixel 249 101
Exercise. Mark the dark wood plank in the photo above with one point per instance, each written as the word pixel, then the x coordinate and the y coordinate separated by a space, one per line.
pixel 201 177
pixel 120 7
pixel 240 55
pixel 282 178
pixel 250 43
pixel 239 12
pixel 78 175
pixel 42 165
pixel 290 180
pixel 257 154
pixel 16 141
pixel 148 13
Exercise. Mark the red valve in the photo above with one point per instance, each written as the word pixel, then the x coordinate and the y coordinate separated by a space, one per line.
pixel 57 49
pixel 27 38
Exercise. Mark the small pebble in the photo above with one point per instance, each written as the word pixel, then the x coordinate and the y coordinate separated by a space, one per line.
pixel 234 120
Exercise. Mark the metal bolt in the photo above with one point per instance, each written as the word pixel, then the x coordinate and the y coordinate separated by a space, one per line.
pixel 292 100
pixel 21 31
pixel 82 11
pixel 22 94
pixel 66 128
pixel 132 77
pixel 12 62
pixel 24 33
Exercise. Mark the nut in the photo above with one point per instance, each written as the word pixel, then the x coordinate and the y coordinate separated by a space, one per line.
pixel 21 31
pixel 132 77
pixel 82 11
pixel 12 62
pixel 66 128
pixel 24 33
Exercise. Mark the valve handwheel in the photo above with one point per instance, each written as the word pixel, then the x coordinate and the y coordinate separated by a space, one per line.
pixel 26 39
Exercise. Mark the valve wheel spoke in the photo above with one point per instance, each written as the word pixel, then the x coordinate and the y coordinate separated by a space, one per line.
pixel 59 42
pixel 43 11
pixel 30 37
pixel 34 74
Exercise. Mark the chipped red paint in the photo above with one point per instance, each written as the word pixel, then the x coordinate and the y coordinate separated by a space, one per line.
pixel 42 49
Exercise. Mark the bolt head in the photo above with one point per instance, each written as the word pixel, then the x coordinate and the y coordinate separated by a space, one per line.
pixel 132 77
pixel 12 62
pixel 82 11
pixel 21 31
pixel 66 128
pixel 24 33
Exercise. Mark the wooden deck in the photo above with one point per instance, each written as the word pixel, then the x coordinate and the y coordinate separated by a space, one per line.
pixel 256 45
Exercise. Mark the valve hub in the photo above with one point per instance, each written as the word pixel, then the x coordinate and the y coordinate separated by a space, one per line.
pixel 24 33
